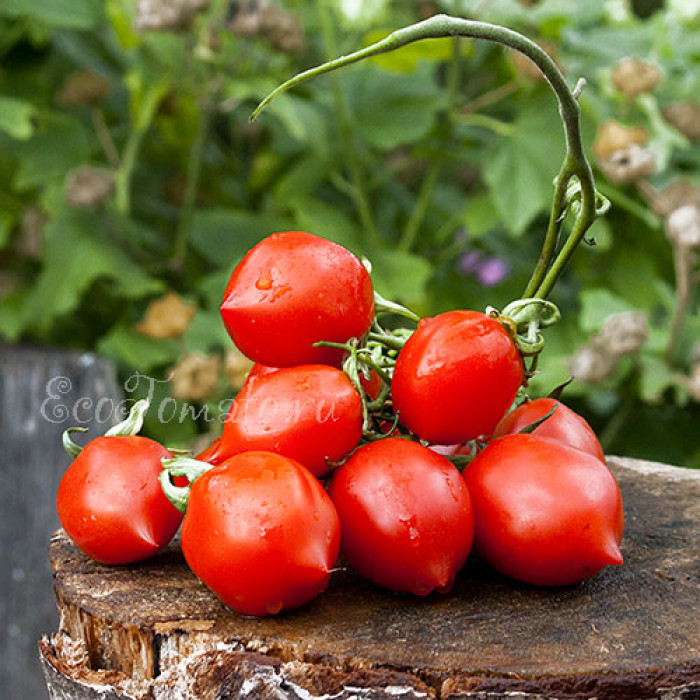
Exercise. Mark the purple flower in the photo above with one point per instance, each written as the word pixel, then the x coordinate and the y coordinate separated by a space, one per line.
pixel 492 271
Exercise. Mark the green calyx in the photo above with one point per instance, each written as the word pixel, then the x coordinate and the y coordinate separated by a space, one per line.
pixel 181 466
pixel 131 425
pixel 524 319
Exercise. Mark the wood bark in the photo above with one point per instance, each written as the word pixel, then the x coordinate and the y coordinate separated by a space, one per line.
pixel 153 631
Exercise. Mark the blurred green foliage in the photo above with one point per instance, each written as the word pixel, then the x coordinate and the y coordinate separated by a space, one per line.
pixel 129 168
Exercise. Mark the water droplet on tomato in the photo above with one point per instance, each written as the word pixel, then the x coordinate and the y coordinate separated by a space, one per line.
pixel 264 281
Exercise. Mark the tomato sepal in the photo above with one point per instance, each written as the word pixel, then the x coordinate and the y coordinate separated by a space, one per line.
pixel 181 466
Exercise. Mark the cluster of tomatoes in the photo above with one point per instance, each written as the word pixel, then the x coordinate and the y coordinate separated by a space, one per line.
pixel 346 437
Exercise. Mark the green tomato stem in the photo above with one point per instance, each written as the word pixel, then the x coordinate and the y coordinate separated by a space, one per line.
pixel 576 165
pixel 133 423
pixel 190 468
pixel 72 448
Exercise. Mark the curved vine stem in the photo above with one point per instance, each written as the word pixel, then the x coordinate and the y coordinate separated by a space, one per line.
pixel 575 166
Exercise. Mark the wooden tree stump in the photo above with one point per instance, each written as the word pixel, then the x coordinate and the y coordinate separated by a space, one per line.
pixel 153 631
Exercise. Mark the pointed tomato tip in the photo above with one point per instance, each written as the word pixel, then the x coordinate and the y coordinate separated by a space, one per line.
pixel 611 554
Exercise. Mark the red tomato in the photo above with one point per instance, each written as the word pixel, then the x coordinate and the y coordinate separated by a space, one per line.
pixel 564 425
pixel 211 454
pixel 292 290
pixel 373 385
pixel 259 370
pixel 111 504
pixel 261 533
pixel 405 515
pixel 456 377
pixel 545 513
pixel 311 413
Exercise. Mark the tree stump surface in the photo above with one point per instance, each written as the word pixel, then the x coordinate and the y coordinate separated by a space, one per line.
pixel 153 631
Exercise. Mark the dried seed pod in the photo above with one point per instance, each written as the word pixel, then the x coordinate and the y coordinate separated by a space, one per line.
pixel 628 164
pixel 624 333
pixel 87 187
pixel 30 240
pixel 592 364
pixel 160 15
pixel 81 88
pixel 167 317
pixel 685 117
pixel 195 377
pixel 683 226
pixel 236 367
pixel 676 195
pixel 613 136
pixel 633 76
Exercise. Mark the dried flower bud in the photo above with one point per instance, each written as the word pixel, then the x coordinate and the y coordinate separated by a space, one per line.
pixel 86 187
pixel 685 117
pixel 31 233
pixel 167 317
pixel 159 15
pixel 683 226
pixel 677 194
pixel 270 22
pixel 236 367
pixel 624 333
pixel 633 76
pixel 247 22
pixel 628 165
pixel 592 364
pixel 195 377
pixel 81 88
pixel 613 136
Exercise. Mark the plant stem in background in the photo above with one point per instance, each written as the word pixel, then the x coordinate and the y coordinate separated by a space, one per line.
pixel 683 261
pixel 358 193
pixel 194 169
pixel 576 166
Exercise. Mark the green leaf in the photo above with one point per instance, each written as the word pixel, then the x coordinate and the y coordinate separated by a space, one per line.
pixel 136 350
pixel 401 277
pixel 67 14
pixel 390 109
pixel 328 221
pixel 59 144
pixel 520 169
pixel 11 315
pixel 146 90
pixel 74 257
pixel 596 305
pixel 302 119
pixel 655 377
pixel 206 331
pixel 224 236
pixel 6 223
pixel 16 117
pixel 480 215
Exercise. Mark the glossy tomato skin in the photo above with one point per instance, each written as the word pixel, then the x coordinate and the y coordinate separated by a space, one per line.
pixel 110 502
pixel 311 413
pixel 405 514
pixel 564 425
pixel 545 513
pixel 261 533
pixel 456 377
pixel 294 289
